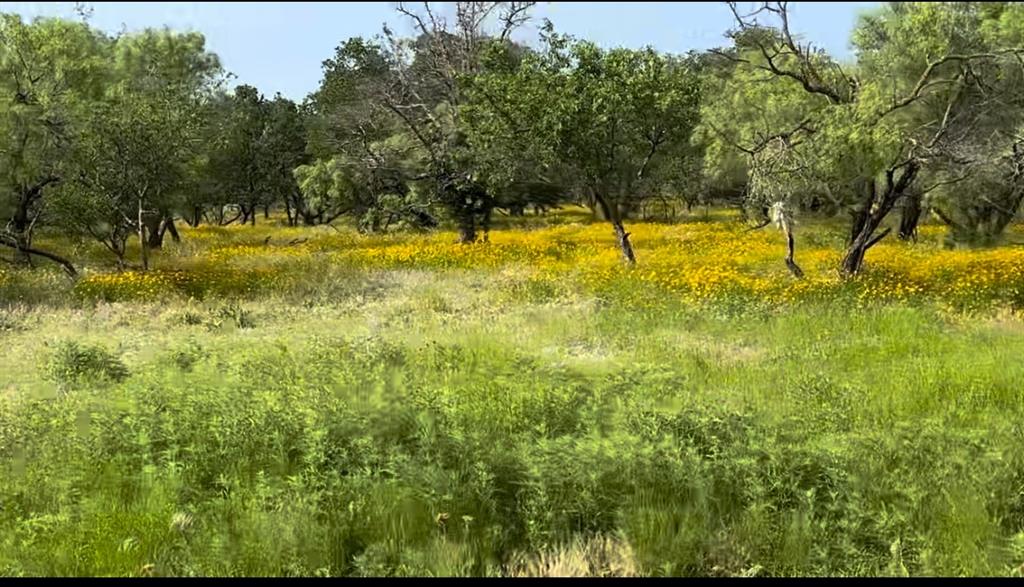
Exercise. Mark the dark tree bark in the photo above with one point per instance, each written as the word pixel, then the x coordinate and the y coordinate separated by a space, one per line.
pixel 910 217
pixel 173 230
pixel 866 238
pixel 859 215
pixel 223 222
pixel 9 241
pixel 288 211
pixel 790 252
pixel 465 203
pixel 624 245
pixel 195 218
pixel 155 230
pixel 21 221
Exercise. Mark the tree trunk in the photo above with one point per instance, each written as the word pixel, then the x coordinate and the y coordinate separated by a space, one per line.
pixel 21 223
pixel 858 220
pixel 624 245
pixel 910 218
pixel 169 227
pixel 853 260
pixel 266 212
pixel 143 245
pixel 193 219
pixel 154 227
pixel 865 238
pixel 621 236
pixel 288 210
pixel 21 244
pixel 791 250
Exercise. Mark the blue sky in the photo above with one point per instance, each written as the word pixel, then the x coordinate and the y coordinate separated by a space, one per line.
pixel 279 46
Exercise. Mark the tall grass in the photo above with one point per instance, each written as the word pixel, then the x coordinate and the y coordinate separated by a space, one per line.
pixel 424 421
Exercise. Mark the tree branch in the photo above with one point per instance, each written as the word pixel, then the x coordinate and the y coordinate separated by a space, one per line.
pixel 10 242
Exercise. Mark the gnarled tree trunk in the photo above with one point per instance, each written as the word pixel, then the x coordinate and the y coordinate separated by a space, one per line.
pixel 22 222
pixel 866 238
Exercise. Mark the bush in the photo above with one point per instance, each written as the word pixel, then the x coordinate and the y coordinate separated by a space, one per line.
pixel 72 363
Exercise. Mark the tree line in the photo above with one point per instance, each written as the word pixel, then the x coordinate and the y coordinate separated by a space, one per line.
pixel 115 137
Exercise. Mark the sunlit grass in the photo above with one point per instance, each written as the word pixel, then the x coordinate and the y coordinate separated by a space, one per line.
pixel 402 405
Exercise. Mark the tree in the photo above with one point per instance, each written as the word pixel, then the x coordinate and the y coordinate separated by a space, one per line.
pixel 127 164
pixel 282 149
pixel 861 137
pixel 175 68
pixel 236 160
pixel 366 160
pixel 424 90
pixel 50 72
pixel 613 122
pixel 253 146
pixel 132 150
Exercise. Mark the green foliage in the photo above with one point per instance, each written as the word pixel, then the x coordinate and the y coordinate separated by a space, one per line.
pixel 50 71
pixel 129 158
pixel 72 363
pixel 612 124
pixel 374 456
pixel 233 314
pixel 377 405
pixel 186 355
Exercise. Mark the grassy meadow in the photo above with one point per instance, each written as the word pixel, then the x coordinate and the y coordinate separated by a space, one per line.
pixel 310 401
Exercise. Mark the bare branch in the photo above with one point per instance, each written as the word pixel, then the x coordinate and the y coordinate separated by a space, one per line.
pixel 925 81
pixel 877 239
pixel 807 75
pixel 514 16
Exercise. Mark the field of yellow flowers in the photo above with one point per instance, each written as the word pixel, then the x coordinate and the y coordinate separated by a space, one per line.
pixel 717 260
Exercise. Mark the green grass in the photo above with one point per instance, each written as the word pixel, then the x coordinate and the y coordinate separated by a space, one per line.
pixel 428 423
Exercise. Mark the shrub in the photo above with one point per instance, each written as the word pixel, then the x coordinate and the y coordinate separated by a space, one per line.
pixel 73 363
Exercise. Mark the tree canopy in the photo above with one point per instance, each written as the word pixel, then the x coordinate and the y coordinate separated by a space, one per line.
pixel 116 137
